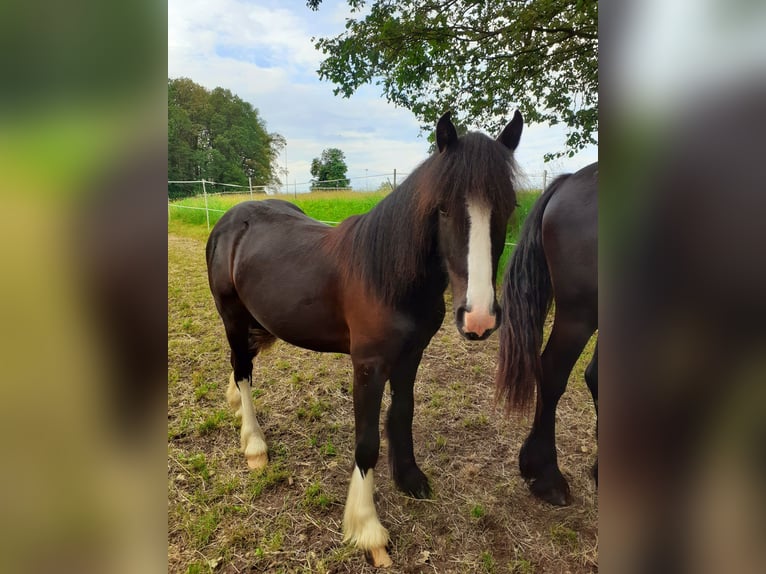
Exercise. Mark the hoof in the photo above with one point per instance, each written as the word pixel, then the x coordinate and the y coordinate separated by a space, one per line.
pixel 257 461
pixel 557 495
pixel 417 487
pixel 256 453
pixel 414 483
pixel 378 557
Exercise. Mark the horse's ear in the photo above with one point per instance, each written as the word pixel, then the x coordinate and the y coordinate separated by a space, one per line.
pixel 446 134
pixel 512 133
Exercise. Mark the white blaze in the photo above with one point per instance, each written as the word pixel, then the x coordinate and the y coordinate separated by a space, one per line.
pixel 480 294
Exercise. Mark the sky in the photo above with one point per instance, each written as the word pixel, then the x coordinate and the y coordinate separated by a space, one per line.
pixel 262 51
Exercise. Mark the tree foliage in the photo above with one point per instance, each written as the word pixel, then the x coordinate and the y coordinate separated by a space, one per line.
pixel 478 58
pixel 329 170
pixel 217 136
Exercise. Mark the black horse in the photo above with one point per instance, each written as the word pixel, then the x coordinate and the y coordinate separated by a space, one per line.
pixel 373 287
pixel 556 259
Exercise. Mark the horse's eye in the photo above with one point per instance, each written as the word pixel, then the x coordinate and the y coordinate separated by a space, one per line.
pixel 443 211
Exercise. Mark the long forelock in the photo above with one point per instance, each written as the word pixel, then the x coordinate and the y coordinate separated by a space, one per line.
pixel 477 168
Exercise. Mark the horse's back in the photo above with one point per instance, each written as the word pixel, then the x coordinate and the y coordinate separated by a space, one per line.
pixel 271 258
pixel 570 239
pixel 248 221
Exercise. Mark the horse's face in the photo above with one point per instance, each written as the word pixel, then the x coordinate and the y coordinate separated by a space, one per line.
pixel 472 237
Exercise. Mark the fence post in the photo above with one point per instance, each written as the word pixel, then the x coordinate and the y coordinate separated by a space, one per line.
pixel 545 179
pixel 207 213
pixel 394 187
pixel 250 184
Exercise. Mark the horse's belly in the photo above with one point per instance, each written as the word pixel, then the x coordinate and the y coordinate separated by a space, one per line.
pixel 311 325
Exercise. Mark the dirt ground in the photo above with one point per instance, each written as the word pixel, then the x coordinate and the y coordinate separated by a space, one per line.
pixel 224 518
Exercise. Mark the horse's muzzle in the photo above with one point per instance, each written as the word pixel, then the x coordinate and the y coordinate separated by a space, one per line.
pixel 477 325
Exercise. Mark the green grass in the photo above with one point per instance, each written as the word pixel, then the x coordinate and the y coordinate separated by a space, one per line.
pixel 478 511
pixel 487 562
pixel 202 388
pixel 202 528
pixel 333 206
pixel 219 511
pixel 475 421
pixel 564 536
pixel 521 566
pixel 328 449
pixel 314 411
pixel 214 421
pixel 197 464
pixel 273 475
pixel 314 497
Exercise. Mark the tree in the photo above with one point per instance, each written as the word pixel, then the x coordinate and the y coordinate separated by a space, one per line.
pixel 479 59
pixel 329 170
pixel 217 136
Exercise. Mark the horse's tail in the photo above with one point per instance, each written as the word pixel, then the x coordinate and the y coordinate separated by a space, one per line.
pixel 527 297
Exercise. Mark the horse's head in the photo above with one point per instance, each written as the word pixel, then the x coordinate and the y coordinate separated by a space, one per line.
pixel 476 200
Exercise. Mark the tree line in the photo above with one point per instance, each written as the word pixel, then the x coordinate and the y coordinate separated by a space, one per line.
pixel 217 136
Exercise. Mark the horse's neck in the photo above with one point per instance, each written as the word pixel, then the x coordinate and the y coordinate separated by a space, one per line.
pixel 398 249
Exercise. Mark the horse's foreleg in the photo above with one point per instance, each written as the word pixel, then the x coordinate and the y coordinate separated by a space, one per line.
pixel 361 525
pixel 591 379
pixel 408 477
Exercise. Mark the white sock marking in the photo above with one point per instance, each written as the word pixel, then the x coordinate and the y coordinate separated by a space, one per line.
pixel 253 441
pixel 480 293
pixel 360 520
pixel 233 398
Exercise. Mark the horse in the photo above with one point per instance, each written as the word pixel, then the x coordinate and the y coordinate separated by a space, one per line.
pixel 373 288
pixel 556 259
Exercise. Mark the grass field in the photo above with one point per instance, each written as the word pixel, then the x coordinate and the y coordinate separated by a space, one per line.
pixel 287 518
pixel 329 206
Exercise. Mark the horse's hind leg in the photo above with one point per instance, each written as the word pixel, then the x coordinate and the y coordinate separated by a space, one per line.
pixel 591 379
pixel 244 347
pixel 408 477
pixel 538 461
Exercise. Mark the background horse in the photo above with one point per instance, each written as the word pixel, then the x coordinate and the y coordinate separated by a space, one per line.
pixel 373 287
pixel 556 258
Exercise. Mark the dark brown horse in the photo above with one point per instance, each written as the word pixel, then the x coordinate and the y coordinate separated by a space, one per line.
pixel 373 287
pixel 556 259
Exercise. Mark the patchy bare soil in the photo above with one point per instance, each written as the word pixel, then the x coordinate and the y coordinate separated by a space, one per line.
pixel 287 518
